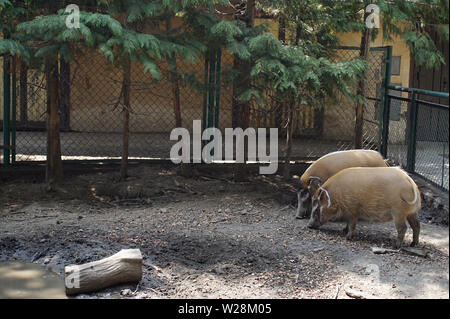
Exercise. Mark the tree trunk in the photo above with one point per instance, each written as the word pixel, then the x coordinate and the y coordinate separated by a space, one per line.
pixel 54 172
pixel 282 29
pixel 235 107
pixel 175 85
pixel 126 120
pixel 297 34
pixel 278 104
pixel 241 171
pixel 359 119
pixel 64 77
pixel 250 13
pixel 176 96
pixel 288 147
pixel 243 80
pixel 23 92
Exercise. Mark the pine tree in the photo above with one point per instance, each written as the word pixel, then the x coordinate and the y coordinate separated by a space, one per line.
pixel 297 72
pixel 45 37
pixel 39 41
pixel 317 24
pixel 408 19
pixel 149 48
pixel 292 75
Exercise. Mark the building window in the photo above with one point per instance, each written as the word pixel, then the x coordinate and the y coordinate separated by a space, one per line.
pixel 395 105
pixel 396 61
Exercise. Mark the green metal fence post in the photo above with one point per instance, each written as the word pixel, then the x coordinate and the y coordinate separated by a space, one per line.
pixel 6 109
pixel 412 131
pixel 386 103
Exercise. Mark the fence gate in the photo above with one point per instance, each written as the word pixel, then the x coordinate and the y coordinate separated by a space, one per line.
pixel 318 131
pixel 418 140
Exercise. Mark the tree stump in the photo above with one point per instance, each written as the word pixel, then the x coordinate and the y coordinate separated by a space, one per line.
pixel 123 267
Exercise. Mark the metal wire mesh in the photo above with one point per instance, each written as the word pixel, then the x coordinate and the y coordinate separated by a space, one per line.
pixel 91 111
pixel 431 159
pixel 430 149
pixel 398 136
pixel 30 112
pixel 318 131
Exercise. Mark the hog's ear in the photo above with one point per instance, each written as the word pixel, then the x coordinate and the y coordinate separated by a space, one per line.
pixel 314 178
pixel 323 192
pixel 314 184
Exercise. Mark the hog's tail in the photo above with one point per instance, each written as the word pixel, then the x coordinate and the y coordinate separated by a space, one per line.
pixel 416 193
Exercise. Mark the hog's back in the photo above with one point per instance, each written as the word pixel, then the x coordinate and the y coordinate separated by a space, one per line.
pixel 330 164
pixel 372 193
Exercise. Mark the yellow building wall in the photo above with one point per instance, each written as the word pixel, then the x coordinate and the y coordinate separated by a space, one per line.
pixel 96 87
pixel 272 25
pixel 399 48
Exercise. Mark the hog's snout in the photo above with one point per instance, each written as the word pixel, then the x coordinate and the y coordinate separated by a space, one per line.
pixel 301 213
pixel 314 224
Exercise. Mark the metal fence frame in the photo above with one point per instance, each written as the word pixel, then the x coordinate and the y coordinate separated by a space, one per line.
pixel 411 134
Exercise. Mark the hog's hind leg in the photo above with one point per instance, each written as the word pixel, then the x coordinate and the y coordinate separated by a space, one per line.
pixel 345 230
pixel 351 227
pixel 413 221
pixel 401 231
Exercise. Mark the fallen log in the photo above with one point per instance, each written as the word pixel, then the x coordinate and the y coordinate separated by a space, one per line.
pixel 123 267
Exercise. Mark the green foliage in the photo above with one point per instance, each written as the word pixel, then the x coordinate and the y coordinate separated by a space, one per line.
pixel 12 47
pixel 423 49
pixel 315 24
pixel 10 15
pixel 130 32
pixel 291 73
pixel 152 45
pixel 47 35
pixel 4 4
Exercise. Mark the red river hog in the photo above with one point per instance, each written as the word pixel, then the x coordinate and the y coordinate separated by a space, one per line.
pixel 375 194
pixel 328 165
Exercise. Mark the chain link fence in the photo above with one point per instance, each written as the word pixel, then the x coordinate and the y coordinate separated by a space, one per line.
pixel 91 110
pixel 397 150
pixel 418 134
pixel 318 131
pixel 91 118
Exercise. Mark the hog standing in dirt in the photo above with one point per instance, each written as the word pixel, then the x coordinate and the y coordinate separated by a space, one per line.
pixel 373 194
pixel 326 166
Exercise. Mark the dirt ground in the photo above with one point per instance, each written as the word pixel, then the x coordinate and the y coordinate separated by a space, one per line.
pixel 205 236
